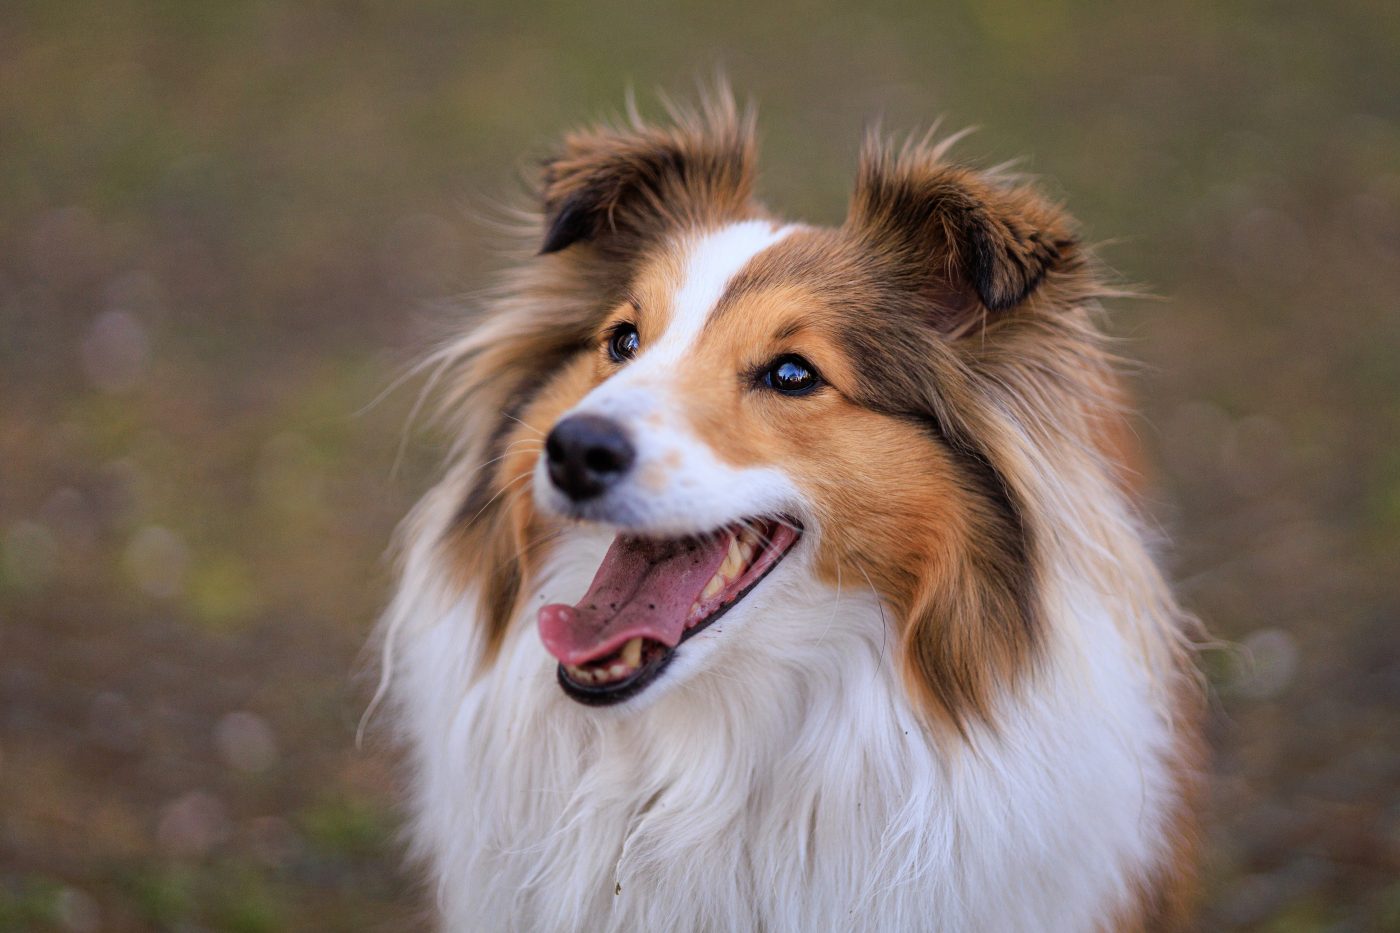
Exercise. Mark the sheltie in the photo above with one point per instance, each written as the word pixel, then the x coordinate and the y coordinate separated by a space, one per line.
pixel 787 577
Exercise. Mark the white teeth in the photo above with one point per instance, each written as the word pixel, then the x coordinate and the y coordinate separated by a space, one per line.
pixel 629 659
pixel 632 653
pixel 742 547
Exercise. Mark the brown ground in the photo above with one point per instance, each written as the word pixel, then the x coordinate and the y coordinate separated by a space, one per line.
pixel 225 226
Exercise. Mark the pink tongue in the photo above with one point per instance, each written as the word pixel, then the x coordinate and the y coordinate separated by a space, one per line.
pixel 643 588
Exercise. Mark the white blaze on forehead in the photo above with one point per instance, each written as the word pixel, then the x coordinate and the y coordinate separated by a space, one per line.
pixel 694 491
pixel 711 264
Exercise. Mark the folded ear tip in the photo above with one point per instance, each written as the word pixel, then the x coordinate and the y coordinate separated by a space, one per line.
pixel 1002 241
pixel 1009 262
pixel 553 244
pixel 1006 281
pixel 995 300
pixel 570 222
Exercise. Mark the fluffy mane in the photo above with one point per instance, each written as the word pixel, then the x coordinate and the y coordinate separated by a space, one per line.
pixel 998 728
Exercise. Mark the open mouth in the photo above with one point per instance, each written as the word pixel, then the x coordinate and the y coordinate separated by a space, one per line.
pixel 649 596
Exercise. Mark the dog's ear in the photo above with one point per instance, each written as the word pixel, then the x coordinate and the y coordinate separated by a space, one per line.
pixel 968 240
pixel 619 188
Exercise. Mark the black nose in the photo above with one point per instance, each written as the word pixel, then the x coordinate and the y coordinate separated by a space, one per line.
pixel 587 454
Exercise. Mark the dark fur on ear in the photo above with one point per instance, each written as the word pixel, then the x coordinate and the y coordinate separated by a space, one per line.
pixel 617 188
pixel 962 236
pixel 953 253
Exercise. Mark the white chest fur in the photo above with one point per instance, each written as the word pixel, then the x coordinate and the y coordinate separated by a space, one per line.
pixel 788 787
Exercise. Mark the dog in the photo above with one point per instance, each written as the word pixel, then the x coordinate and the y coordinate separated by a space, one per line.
pixel 787 577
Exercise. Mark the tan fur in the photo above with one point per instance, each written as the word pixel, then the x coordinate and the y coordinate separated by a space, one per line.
pixel 618 189
pixel 952 318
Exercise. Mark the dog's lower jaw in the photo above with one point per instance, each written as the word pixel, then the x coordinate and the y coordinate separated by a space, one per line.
pixel 785 786
pixel 651 596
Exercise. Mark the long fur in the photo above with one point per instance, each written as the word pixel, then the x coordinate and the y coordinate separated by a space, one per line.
pixel 965 702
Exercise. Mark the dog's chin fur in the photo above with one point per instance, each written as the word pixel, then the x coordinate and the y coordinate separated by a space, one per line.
pixel 973 710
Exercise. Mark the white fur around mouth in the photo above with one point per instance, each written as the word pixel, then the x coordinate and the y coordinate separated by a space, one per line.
pixel 754 549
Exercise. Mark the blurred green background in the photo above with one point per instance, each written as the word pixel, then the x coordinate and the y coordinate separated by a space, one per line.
pixel 225 227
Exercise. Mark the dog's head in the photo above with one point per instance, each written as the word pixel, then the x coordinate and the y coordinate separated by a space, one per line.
pixel 737 397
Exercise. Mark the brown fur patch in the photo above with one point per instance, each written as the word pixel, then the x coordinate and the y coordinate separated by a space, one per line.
pixel 616 192
pixel 496 535
pixel 956 564
pixel 969 432
pixel 924 519
pixel 620 189
pixel 950 228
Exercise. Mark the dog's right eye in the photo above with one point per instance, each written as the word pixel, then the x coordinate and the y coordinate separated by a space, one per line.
pixel 790 375
pixel 623 342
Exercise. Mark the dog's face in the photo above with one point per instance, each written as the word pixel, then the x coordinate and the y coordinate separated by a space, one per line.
pixel 680 424
pixel 748 398
pixel 714 423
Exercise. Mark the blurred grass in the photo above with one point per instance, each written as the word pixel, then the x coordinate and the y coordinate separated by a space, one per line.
pixel 226 227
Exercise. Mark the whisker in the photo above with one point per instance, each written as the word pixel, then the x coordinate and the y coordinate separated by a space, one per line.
pixel 527 548
pixel 418 404
pixel 504 487
pixel 408 373
pixel 751 525
pixel 518 421
pixel 884 624
pixel 481 466
pixel 779 520
pixel 475 471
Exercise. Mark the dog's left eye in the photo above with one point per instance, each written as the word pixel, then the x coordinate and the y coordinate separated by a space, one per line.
pixel 790 375
pixel 623 343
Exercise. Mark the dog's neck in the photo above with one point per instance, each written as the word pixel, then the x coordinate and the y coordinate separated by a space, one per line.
pixel 786 784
